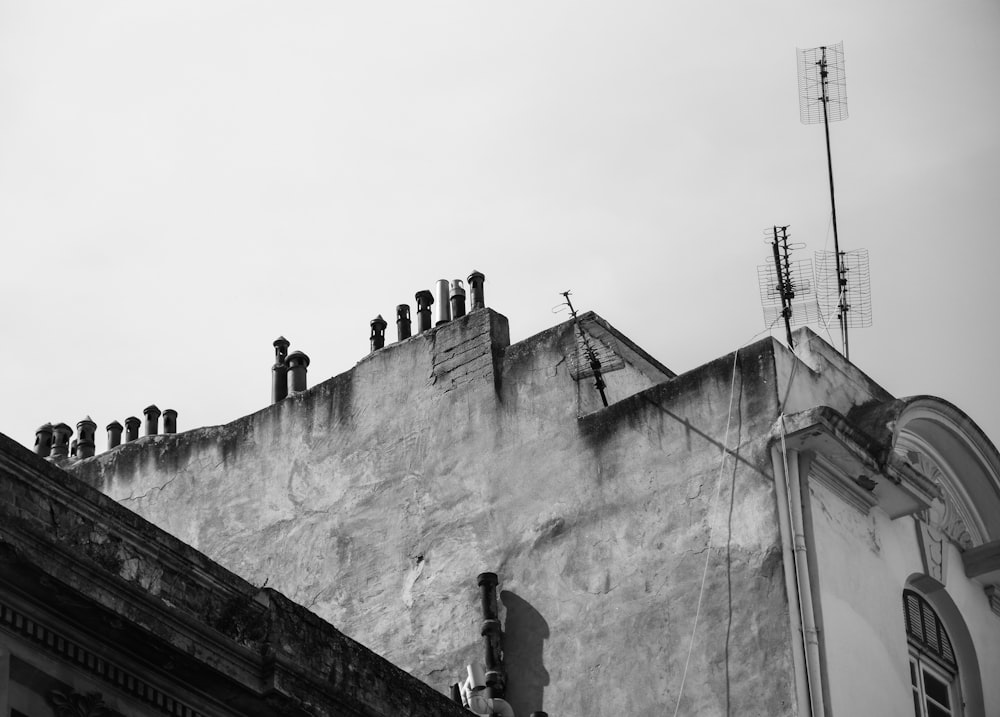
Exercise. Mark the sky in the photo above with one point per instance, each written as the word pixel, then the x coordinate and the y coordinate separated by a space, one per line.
pixel 182 182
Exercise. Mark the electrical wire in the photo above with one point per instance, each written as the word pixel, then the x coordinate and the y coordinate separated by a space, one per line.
pixel 708 550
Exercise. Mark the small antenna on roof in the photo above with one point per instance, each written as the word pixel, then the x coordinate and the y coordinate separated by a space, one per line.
pixel 823 98
pixel 786 287
pixel 595 363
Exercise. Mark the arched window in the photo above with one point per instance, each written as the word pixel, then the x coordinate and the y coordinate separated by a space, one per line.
pixel 933 668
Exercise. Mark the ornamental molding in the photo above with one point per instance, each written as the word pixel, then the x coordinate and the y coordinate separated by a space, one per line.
pixel 948 516
pixel 69 650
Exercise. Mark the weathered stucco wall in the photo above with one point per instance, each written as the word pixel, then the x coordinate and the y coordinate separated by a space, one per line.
pixel 871 555
pixel 376 497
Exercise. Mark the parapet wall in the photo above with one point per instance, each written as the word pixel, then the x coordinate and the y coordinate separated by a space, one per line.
pixel 376 497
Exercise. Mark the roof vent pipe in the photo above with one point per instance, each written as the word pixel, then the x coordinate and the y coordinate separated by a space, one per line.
pixel 279 372
pixel 152 414
pixel 424 300
pixel 86 446
pixel 298 364
pixel 114 434
pixel 476 280
pixel 442 315
pixel 60 440
pixel 457 299
pixel 170 421
pixel 43 440
pixel 491 634
pixel 378 325
pixel 132 428
pixel 402 322
pixel 72 448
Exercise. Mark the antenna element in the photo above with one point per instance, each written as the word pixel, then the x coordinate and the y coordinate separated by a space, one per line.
pixel 595 363
pixel 823 95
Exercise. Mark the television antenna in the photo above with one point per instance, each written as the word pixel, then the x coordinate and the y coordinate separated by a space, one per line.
pixel 588 349
pixel 786 286
pixel 823 98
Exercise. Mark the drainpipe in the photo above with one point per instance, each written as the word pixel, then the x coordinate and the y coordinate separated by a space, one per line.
pixel 402 322
pixel 787 466
pixel 491 634
pixel 476 280
pixel 791 588
pixel 424 300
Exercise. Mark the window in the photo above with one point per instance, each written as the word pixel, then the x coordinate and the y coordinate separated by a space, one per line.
pixel 933 669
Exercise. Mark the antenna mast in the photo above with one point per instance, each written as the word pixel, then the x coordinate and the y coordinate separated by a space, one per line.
pixel 822 68
pixel 779 247
pixel 786 286
pixel 595 363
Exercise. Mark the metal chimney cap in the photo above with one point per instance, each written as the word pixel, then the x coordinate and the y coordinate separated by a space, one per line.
pixel 282 342
pixel 298 356
pixel 169 412
pixel 476 275
pixel 424 294
pixel 86 421
pixel 457 287
pixel 378 321
pixel 151 409
pixel 114 424
pixel 62 427
pixel 44 428
pixel 132 421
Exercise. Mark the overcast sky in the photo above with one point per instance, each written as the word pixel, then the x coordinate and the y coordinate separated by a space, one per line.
pixel 181 182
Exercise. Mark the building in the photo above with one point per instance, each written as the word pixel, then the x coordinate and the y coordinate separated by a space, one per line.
pixel 770 533
pixel 102 613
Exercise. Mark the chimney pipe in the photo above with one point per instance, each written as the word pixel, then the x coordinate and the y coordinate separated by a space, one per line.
pixel 131 428
pixel 378 325
pixel 43 440
pixel 298 364
pixel 491 634
pixel 442 315
pixel 72 448
pixel 279 372
pixel 152 414
pixel 87 445
pixel 476 280
pixel 60 440
pixel 457 299
pixel 114 434
pixel 170 421
pixel 424 300
pixel 402 322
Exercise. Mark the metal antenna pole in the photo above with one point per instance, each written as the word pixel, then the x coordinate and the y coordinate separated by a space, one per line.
pixel 784 282
pixel 842 306
pixel 595 363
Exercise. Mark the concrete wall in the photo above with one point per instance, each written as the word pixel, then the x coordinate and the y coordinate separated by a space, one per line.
pixel 376 497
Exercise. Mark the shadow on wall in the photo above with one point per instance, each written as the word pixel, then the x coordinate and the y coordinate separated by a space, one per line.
pixel 524 632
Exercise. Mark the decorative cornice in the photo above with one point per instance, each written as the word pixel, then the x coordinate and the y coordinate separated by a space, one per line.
pixel 51 641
